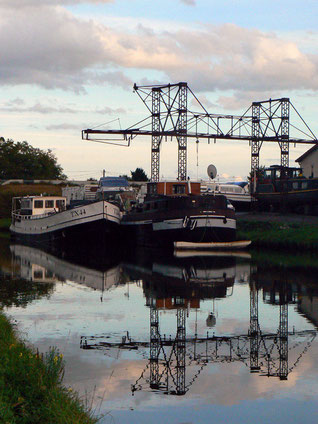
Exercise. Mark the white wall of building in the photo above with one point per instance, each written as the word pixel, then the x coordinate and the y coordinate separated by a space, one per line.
pixel 310 165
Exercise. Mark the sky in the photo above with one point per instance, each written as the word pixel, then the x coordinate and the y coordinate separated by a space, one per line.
pixel 68 65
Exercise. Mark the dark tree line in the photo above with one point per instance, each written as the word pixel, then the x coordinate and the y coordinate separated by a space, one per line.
pixel 137 175
pixel 19 160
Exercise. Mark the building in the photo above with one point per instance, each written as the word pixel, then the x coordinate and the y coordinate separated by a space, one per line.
pixel 309 162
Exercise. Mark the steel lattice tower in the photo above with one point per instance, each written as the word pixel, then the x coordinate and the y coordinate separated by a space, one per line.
pixel 284 142
pixel 182 129
pixel 155 138
pixel 255 142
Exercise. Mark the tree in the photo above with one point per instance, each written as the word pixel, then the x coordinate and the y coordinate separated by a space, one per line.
pixel 139 175
pixel 125 176
pixel 19 160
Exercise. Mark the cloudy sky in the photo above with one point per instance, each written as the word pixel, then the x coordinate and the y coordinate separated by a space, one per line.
pixel 67 65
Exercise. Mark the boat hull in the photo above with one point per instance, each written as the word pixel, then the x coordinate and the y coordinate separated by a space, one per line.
pixel 190 228
pixel 85 224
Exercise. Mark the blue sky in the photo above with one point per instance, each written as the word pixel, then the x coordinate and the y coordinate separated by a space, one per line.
pixel 67 65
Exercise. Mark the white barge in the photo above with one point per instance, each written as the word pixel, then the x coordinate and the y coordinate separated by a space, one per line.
pixel 47 219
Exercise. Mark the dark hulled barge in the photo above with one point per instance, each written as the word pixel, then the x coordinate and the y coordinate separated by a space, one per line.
pixel 279 186
pixel 175 211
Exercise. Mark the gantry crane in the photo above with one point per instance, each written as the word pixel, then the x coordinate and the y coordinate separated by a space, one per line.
pixel 265 121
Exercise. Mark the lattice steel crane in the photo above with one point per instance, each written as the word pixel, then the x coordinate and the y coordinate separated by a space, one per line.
pixel 170 116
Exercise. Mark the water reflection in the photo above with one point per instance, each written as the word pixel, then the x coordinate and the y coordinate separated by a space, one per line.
pixel 179 284
pixel 37 265
pixel 190 326
pixel 15 289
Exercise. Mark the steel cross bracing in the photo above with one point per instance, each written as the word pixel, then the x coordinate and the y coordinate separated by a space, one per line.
pixel 170 117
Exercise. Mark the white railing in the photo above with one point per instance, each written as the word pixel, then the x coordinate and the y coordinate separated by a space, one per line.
pixel 18 217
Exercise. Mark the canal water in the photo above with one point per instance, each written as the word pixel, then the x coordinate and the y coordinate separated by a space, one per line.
pixel 151 337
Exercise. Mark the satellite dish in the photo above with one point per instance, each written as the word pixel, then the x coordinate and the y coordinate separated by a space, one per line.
pixel 212 171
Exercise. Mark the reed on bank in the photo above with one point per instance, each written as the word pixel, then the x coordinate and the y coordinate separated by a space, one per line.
pixel 31 389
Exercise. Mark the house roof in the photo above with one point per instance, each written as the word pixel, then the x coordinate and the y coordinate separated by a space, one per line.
pixel 309 152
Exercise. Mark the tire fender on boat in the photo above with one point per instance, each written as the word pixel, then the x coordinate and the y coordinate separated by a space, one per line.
pixel 193 224
pixel 185 221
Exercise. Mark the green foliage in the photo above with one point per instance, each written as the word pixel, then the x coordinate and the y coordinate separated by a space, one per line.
pixel 139 175
pixel 31 388
pixel 19 160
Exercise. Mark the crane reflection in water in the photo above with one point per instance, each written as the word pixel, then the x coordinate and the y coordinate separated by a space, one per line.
pixel 176 361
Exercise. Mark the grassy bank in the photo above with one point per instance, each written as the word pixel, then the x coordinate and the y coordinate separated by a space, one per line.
pixel 278 234
pixel 31 389
pixel 4 228
pixel 4 224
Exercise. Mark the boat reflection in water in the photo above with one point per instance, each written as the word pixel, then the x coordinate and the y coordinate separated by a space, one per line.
pixel 37 265
pixel 179 284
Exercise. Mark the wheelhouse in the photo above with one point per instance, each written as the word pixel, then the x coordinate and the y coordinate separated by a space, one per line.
pixel 38 205
pixel 173 188
pixel 276 172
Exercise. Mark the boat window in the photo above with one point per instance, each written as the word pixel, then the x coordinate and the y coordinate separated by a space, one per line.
pixel 38 204
pixel 49 203
pixel 178 189
pixel 277 173
pixel 152 188
pixel 295 185
pixel 268 173
pixel 304 185
pixel 38 274
pixel 60 204
pixel 25 204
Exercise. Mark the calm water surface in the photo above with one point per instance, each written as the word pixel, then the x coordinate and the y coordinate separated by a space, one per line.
pixel 151 338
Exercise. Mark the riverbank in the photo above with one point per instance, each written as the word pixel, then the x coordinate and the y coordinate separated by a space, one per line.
pixel 31 389
pixel 279 231
pixel 4 228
